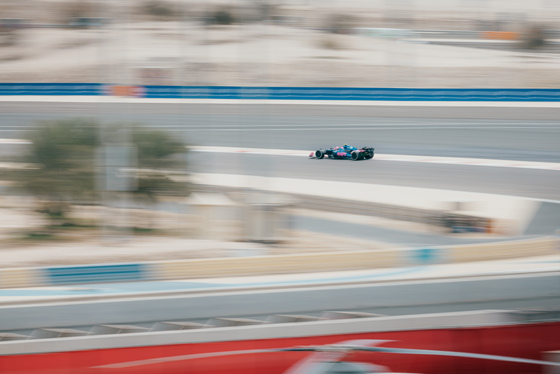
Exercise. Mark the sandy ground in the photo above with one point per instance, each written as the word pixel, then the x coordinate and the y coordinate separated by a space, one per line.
pixel 182 236
pixel 146 248
pixel 262 55
pixel 295 54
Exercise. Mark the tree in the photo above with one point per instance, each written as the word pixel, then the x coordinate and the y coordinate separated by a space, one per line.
pixel 61 165
pixel 157 151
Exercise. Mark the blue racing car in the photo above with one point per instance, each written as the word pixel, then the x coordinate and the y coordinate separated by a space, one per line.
pixel 344 152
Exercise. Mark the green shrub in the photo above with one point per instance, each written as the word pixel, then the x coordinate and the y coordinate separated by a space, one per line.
pixel 221 17
pixel 159 8
pixel 534 37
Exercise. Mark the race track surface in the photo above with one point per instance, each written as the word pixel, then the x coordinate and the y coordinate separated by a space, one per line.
pixel 502 133
pixel 525 134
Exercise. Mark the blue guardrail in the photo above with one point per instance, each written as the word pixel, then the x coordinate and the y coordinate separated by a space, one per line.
pixel 96 273
pixel 33 89
pixel 290 93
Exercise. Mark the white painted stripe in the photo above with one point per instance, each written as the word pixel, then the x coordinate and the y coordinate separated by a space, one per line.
pixel 383 157
pixel 14 141
pixel 392 157
pixel 107 99
pixel 386 124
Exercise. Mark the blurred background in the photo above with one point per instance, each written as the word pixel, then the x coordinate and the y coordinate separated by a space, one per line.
pixel 114 193
pixel 330 43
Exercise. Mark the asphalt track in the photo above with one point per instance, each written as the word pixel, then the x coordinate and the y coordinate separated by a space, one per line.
pixel 529 134
pixel 525 134
pixel 532 183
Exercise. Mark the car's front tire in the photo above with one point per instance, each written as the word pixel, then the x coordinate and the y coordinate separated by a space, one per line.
pixel 319 154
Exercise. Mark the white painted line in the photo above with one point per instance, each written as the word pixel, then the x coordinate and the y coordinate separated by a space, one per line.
pixel 110 99
pixel 343 128
pixel 14 141
pixel 391 157
pixel 383 157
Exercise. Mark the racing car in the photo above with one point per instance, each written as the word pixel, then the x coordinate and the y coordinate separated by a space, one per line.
pixel 344 152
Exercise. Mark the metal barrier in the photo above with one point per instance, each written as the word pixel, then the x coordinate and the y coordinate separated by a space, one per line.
pixel 259 265
pixel 282 93
pixel 54 89
pixel 453 222
pixel 96 273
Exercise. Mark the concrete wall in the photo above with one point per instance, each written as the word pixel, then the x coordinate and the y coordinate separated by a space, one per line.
pixel 224 267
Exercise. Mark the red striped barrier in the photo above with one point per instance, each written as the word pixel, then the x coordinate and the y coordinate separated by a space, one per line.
pixel 523 341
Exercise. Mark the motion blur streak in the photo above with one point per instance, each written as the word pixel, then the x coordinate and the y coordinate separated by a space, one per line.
pixel 116 173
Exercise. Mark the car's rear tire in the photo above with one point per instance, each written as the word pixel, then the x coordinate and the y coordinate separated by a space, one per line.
pixel 319 154
pixel 356 155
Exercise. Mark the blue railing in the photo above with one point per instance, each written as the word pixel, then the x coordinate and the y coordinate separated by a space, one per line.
pixel 50 89
pixel 288 93
pixel 96 273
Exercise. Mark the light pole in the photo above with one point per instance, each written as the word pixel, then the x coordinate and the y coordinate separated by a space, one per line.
pixel 115 153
